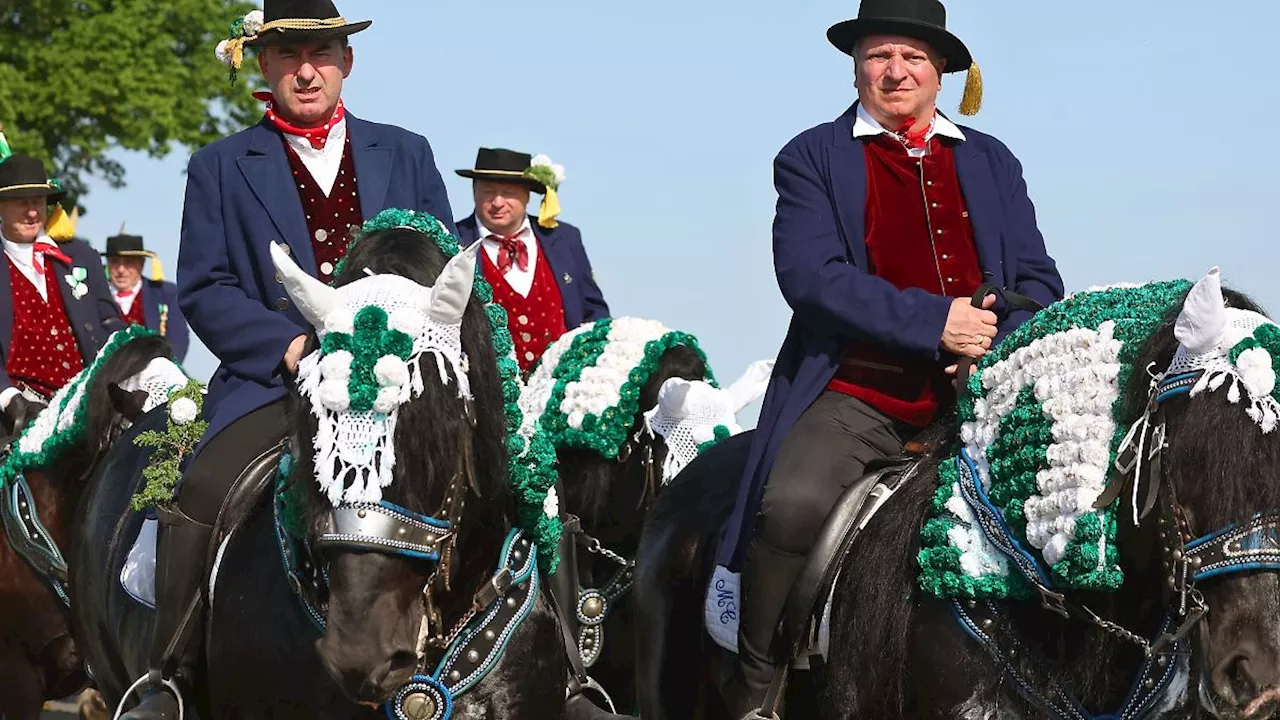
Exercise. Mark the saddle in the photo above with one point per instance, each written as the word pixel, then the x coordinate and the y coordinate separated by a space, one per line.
pixel 802 617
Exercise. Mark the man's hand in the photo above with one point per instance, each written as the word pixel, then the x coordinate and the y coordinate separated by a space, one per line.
pixel 970 330
pixel 293 355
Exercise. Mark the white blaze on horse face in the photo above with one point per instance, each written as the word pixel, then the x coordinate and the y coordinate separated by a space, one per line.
pixel 1203 318
pixel 447 300
pixel 314 299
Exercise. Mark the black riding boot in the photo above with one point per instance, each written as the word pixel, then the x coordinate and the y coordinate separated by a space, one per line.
pixel 182 545
pixel 767 578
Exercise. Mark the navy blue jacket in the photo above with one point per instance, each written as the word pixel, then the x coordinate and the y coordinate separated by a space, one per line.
pixel 583 301
pixel 93 317
pixel 820 257
pixel 240 198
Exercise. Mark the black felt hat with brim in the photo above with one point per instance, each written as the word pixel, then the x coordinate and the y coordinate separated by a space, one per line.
pixel 22 176
pixel 502 165
pixel 127 246
pixel 291 22
pixel 921 19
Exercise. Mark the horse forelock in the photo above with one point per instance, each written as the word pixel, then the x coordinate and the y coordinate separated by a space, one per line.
pixel 433 428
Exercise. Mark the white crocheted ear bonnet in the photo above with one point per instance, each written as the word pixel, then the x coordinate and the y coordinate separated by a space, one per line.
pixel 689 412
pixel 1218 344
pixel 158 379
pixel 373 333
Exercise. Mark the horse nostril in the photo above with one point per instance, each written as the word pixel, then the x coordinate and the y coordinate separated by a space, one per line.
pixel 1234 680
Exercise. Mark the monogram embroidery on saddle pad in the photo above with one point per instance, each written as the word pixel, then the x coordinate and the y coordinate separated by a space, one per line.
pixel 1040 430
pixel 61 425
pixel 585 392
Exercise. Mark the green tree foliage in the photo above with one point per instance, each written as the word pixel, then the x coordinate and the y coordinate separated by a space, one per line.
pixel 81 77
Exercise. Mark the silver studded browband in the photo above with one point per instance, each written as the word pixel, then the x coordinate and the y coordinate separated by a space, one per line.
pixel 384 528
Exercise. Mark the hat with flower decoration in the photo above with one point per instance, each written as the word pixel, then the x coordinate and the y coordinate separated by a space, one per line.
pixel 537 173
pixel 284 22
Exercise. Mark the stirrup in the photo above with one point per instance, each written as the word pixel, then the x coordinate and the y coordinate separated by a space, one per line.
pixel 595 687
pixel 169 685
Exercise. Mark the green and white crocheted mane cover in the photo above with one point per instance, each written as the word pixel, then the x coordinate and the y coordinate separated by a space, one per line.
pixel 585 391
pixel 61 425
pixel 1041 423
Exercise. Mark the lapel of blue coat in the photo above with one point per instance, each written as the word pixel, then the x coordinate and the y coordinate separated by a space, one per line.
pixel 562 267
pixel 150 299
pixel 373 165
pixel 979 190
pixel 82 313
pixel 848 170
pixel 266 169
pixel 468 230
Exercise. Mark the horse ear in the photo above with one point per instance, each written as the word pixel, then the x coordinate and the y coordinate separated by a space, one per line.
pixel 1203 319
pixel 129 403
pixel 751 385
pixel 314 299
pixel 447 299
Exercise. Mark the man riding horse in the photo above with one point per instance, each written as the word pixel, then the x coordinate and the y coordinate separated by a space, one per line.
pixel 539 272
pixel 307 175
pixel 888 220
pixel 57 310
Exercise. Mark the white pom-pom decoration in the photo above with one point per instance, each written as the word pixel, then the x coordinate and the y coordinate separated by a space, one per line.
pixel 184 411
pixel 391 371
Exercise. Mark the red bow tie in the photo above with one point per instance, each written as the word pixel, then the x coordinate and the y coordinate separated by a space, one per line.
pixel 122 294
pixel 49 251
pixel 317 136
pixel 913 138
pixel 512 250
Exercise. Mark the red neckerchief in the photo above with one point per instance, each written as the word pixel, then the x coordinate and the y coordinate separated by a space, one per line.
pixel 122 294
pixel 512 250
pixel 49 251
pixel 317 136
pixel 914 139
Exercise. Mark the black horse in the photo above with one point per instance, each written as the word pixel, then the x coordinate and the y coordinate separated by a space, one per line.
pixel 265 656
pixel 611 498
pixel 39 659
pixel 898 653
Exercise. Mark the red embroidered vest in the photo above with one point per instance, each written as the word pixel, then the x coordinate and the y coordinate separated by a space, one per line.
pixel 918 235
pixel 43 352
pixel 535 321
pixel 332 220
pixel 135 316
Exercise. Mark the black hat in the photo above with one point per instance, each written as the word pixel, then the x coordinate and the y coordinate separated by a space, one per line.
pixel 307 21
pixel 125 245
pixel 22 176
pixel 501 165
pixel 922 19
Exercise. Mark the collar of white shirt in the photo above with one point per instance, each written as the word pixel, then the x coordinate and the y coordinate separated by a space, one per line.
pixel 322 163
pixel 23 256
pixel 126 303
pixel 866 126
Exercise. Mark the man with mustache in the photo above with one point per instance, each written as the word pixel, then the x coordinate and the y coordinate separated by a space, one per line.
pixel 888 220
pixel 307 176
pixel 56 311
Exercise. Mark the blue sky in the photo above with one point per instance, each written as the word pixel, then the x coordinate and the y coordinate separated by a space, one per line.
pixel 1142 127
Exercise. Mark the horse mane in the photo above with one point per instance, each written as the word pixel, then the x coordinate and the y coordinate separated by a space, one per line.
pixel 1219 463
pixel 431 427
pixel 590 479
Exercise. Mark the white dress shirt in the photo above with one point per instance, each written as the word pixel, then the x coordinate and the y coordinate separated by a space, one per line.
pixel 24 258
pixel 866 126
pixel 520 280
pixel 323 164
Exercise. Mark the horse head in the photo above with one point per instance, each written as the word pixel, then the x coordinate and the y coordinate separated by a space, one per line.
pixel 400 437
pixel 1203 508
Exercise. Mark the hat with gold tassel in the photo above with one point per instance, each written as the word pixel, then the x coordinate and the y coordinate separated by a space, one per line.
pixel 22 176
pixel 123 245
pixel 922 19
pixel 536 172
